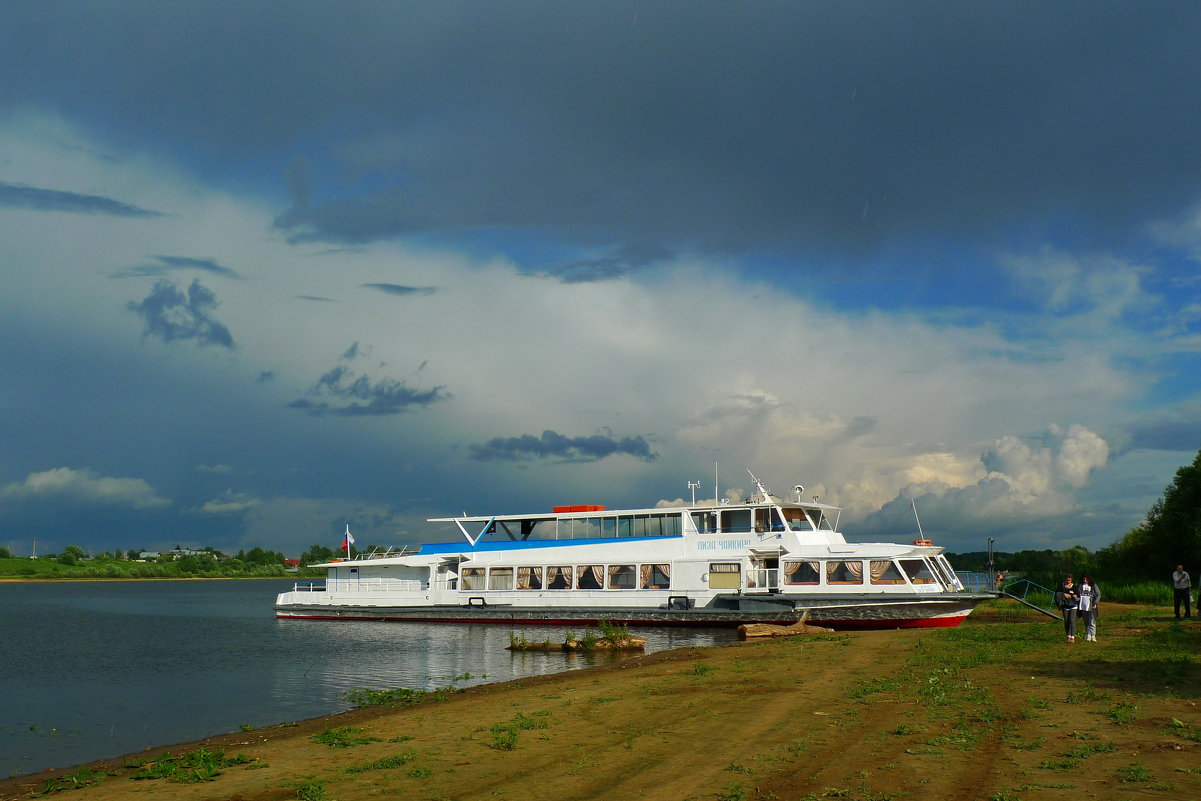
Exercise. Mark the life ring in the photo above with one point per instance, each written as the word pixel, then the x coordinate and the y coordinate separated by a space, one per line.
pixel 923 542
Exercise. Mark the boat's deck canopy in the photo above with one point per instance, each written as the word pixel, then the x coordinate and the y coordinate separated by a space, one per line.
pixel 762 513
pixel 600 511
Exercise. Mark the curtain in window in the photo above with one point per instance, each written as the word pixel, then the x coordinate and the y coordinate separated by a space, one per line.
pixel 831 569
pixel 525 576
pixel 879 569
pixel 558 575
pixel 598 573
pixel 644 576
pixel 472 578
pixel 856 569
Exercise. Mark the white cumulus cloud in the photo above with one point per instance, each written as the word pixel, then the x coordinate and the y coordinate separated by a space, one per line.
pixel 85 486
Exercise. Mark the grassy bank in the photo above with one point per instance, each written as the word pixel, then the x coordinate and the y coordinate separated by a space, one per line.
pixel 999 709
pixel 46 569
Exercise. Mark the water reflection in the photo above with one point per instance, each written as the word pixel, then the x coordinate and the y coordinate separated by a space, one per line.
pixel 99 669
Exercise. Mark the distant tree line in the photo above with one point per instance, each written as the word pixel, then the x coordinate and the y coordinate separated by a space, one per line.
pixel 208 562
pixel 1170 535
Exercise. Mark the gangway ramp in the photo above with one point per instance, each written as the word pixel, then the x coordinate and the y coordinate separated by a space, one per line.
pixel 1029 594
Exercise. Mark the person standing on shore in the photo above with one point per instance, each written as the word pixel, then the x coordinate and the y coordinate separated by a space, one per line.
pixel 1068 596
pixel 1182 587
pixel 1090 597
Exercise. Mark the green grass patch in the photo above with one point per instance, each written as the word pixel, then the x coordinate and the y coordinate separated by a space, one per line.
pixel 384 763
pixel 71 781
pixel 201 765
pixel 400 696
pixel 343 737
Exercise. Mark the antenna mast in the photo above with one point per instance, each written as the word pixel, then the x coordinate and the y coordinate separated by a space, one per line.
pixel 759 486
pixel 920 533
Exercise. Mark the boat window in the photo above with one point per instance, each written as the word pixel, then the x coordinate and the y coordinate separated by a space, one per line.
pixel 705 522
pixel 654 577
pixel 725 575
pixel 948 575
pixel 797 520
pixel 500 578
pixel 886 572
pixel 625 526
pixel 801 573
pixel 609 527
pixel 918 571
pixel 736 520
pixel 768 520
pixel 522 530
pixel 558 578
pixel 529 578
pixel 471 578
pixel 848 572
pixel 621 577
pixel 590 577
pixel 673 525
pixel 646 526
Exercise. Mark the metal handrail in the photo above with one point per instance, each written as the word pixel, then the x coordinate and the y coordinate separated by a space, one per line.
pixel 1025 586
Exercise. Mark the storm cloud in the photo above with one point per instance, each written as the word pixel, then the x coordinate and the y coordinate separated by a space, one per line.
pixel 830 125
pixel 39 199
pixel 344 392
pixel 165 264
pixel 401 289
pixel 173 315
pixel 556 446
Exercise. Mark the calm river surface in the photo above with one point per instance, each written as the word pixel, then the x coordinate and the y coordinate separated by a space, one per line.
pixel 99 669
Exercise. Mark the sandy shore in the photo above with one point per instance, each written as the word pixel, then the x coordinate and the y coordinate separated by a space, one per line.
pixel 952 714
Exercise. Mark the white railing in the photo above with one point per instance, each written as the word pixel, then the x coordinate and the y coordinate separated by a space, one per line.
pixel 308 586
pixel 763 579
pixel 375 585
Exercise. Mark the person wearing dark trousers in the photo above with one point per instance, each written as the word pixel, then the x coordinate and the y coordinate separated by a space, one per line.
pixel 1089 607
pixel 1182 589
pixel 1068 596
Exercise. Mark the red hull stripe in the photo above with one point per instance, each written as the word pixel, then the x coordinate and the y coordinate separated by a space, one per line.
pixel 842 625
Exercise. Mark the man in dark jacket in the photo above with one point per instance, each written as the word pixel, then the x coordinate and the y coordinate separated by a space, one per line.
pixel 1068 597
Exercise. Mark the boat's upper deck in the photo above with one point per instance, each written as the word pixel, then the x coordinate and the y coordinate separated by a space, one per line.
pixel 762 514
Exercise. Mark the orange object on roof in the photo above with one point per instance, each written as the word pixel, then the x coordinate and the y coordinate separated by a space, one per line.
pixel 580 508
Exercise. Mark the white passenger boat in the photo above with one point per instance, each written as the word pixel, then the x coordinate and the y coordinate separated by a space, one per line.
pixel 767 560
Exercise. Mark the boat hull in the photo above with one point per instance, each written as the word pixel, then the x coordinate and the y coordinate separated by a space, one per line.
pixel 833 612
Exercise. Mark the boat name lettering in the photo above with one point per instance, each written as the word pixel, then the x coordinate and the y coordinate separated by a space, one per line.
pixel 724 545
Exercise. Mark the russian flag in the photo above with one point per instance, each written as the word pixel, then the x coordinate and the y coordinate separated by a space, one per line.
pixel 346 543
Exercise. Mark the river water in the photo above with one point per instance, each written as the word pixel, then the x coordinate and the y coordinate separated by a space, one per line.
pixel 98 669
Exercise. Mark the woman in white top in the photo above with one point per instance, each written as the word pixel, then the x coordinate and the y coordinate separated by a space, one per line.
pixel 1090 598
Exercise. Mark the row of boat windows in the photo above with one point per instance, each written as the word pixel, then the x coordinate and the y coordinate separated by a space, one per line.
pixel 736 520
pixel 722 575
pixel 720 521
pixel 568 577
pixel 917 571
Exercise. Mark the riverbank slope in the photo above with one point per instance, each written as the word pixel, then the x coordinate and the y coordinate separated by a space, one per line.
pixel 999 708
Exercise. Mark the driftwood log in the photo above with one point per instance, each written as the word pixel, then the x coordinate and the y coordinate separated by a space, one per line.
pixel 755 630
